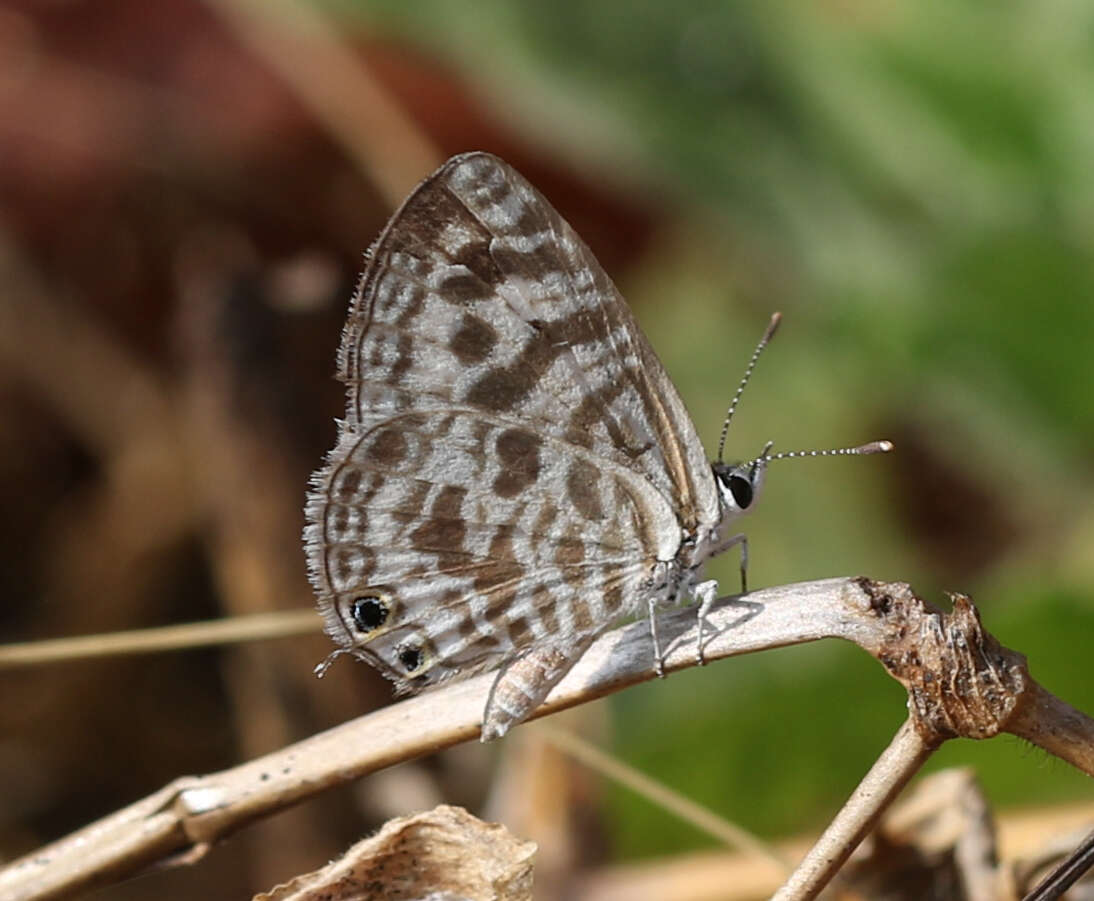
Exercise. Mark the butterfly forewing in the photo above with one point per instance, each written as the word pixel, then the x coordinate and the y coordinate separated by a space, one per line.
pixel 514 461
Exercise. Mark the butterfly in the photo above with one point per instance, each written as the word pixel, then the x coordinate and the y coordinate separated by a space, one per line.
pixel 515 471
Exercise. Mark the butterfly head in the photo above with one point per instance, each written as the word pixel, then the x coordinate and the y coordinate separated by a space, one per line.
pixel 739 484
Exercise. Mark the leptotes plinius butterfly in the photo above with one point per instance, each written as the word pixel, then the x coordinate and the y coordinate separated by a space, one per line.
pixel 515 471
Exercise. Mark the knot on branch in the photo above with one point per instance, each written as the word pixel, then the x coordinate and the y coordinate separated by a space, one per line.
pixel 960 680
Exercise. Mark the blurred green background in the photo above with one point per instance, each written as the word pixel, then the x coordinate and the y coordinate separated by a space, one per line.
pixel 910 183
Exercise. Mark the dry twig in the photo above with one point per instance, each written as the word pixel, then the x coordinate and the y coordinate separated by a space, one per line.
pixel 961 683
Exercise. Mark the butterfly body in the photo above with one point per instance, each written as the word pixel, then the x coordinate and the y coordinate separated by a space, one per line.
pixel 515 471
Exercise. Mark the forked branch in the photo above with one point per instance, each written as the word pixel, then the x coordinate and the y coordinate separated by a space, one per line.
pixel 961 682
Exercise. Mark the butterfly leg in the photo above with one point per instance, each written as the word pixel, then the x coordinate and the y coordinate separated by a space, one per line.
pixel 707 592
pixel 522 685
pixel 732 542
pixel 658 656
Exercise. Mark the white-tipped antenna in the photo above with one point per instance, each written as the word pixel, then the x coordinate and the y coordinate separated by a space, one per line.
pixel 769 333
pixel 874 447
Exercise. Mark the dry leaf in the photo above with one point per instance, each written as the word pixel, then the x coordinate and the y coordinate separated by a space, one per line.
pixel 444 854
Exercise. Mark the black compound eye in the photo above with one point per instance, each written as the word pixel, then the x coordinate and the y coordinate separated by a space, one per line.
pixel 368 613
pixel 411 658
pixel 741 489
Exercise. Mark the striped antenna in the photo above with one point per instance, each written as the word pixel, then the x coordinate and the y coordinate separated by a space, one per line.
pixel 874 447
pixel 769 333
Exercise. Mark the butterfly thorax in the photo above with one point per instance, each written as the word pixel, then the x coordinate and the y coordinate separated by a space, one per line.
pixel 738 486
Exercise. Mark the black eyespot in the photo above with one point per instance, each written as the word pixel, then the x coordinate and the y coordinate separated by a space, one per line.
pixel 369 613
pixel 411 658
pixel 741 489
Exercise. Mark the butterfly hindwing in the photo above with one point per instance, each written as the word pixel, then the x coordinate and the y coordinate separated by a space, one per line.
pixel 469 539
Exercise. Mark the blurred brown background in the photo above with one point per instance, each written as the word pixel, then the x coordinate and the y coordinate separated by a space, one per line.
pixel 186 191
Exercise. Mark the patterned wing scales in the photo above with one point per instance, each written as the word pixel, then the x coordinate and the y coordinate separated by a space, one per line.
pixel 430 513
pixel 514 460
pixel 478 294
